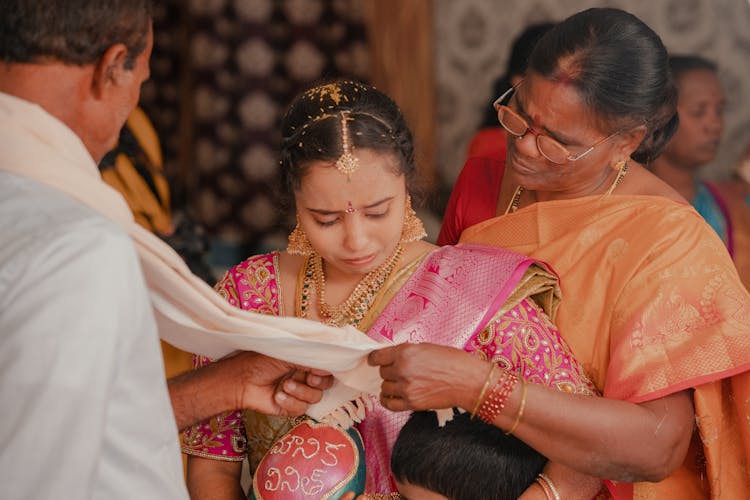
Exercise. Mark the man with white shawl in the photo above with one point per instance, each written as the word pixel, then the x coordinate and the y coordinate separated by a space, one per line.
pixel 83 394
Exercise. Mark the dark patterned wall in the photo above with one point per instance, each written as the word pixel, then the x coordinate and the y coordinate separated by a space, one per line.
pixel 230 70
pixel 160 96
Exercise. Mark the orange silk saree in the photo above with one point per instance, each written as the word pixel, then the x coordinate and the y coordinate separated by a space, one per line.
pixel 651 305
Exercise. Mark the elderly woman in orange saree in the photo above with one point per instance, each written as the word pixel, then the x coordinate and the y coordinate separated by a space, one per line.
pixel 653 307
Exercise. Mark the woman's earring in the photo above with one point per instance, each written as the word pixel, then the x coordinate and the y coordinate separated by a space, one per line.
pixel 298 242
pixel 622 168
pixel 413 229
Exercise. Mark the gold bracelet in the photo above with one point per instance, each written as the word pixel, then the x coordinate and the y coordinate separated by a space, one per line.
pixel 520 409
pixel 482 394
pixel 548 486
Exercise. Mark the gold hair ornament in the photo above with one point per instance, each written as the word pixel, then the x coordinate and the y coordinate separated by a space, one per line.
pixel 347 163
pixel 333 92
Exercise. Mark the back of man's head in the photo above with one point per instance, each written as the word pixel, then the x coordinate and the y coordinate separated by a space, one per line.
pixel 465 459
pixel 75 32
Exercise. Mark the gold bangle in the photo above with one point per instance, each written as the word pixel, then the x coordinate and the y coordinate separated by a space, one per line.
pixel 520 409
pixel 482 394
pixel 544 488
pixel 548 486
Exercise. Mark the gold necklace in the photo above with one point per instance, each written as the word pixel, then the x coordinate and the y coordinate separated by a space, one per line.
pixel 513 205
pixel 354 308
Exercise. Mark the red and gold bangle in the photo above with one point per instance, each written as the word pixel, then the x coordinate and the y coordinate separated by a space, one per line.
pixel 498 396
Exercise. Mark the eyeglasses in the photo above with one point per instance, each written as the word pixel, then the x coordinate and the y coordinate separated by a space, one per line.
pixel 548 147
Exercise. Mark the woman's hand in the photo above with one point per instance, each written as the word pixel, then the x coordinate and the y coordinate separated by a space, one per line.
pixel 428 376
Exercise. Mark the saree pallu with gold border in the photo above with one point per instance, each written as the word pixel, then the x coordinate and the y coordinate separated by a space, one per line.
pixel 489 301
pixel 653 305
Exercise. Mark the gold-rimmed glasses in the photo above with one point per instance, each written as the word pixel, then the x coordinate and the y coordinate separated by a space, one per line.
pixel 548 147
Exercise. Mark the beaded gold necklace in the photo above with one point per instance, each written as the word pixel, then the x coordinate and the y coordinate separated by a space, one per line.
pixel 514 201
pixel 354 308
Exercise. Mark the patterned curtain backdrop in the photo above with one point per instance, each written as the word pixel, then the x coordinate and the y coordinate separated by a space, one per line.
pixel 473 38
pixel 162 96
pixel 242 62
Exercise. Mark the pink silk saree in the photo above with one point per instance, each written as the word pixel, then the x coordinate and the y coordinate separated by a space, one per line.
pixel 484 300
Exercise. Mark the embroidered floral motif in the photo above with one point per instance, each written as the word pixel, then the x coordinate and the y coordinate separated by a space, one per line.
pixel 256 288
pixel 221 436
pixel 528 343
pixel 226 289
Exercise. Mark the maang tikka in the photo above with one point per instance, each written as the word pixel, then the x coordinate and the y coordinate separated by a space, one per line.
pixel 347 163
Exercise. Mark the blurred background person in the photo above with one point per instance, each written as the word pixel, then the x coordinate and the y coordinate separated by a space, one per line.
pixel 695 144
pixel 742 175
pixel 135 168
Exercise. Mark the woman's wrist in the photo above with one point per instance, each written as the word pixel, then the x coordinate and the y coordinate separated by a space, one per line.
pixel 549 488
pixel 502 386
pixel 478 382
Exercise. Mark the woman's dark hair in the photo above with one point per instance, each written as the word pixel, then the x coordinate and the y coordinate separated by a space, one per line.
pixel 619 67
pixel 73 32
pixel 463 460
pixel 680 64
pixel 311 129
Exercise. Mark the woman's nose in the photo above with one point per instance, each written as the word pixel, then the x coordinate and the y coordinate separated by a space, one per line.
pixel 715 122
pixel 526 144
pixel 355 235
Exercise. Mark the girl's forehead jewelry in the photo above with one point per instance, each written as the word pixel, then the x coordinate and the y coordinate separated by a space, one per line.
pixel 350 208
pixel 347 163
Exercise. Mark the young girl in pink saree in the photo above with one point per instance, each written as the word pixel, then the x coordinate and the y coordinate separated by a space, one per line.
pixel 348 160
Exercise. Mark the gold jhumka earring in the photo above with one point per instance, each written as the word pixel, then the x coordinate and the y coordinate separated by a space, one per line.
pixel 622 170
pixel 298 242
pixel 413 229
